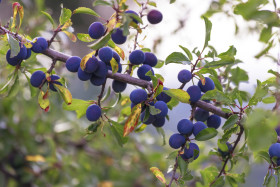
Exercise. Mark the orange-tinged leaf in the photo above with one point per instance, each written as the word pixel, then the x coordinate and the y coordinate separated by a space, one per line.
pixel 132 120
pixel 21 14
pixel 35 158
pixel 119 51
pixel 122 2
pixel 201 77
pixel 85 59
pixel 65 93
pixel 17 8
pixel 158 174
pixel 43 100
pixel 71 36
pixel 114 65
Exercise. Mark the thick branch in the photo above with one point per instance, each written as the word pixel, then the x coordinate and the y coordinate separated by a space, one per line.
pixel 125 78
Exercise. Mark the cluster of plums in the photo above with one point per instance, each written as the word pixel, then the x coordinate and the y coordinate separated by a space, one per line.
pixel 157 120
pixel 39 45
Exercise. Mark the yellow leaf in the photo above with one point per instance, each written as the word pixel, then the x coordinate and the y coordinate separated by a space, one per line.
pixel 71 36
pixel 119 51
pixel 114 65
pixel 178 94
pixel 85 59
pixel 65 94
pixel 21 14
pixel 125 101
pixel 105 184
pixel 66 25
pixel 158 174
pixel 112 22
pixel 122 2
pixel 35 158
pixel 132 120
pixel 44 101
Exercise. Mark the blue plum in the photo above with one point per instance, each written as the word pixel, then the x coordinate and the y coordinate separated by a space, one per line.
pixel 185 127
pixel 177 140
pixel 198 126
pixel 189 152
pixel 93 112
pixel 118 37
pixel 150 59
pixel 105 54
pixel 158 122
pixel 154 16
pixel 132 12
pixel 97 81
pixel 96 30
pixel 214 121
pixel 53 81
pixel 226 153
pixel 184 76
pixel 37 78
pixel 163 96
pixel 82 75
pixel 201 114
pixel 73 63
pixel 91 65
pixel 118 86
pixel 138 96
pixel 148 121
pixel 141 72
pixel 194 92
pixel 209 85
pixel 102 69
pixel 162 106
pixel 39 45
pixel 137 57
pixel 274 150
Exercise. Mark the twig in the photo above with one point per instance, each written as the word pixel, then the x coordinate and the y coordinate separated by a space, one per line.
pixel 55 32
pixel 101 93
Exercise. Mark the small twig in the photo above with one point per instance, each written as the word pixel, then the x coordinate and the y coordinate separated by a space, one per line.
pixel 101 93
pixel 55 32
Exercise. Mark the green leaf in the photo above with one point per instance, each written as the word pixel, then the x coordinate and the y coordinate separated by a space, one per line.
pixel 15 87
pixel 64 16
pixel 187 51
pixel 264 51
pixel 271 181
pixel 117 130
pixel 266 34
pixel 79 106
pixel 177 57
pixel 152 3
pixel 33 90
pixel 84 10
pixel 160 63
pixel 225 61
pixel 238 75
pixel 269 100
pixel 230 122
pixel 84 37
pixel 162 133
pixel 114 65
pixel 49 18
pixel 14 45
pixel 92 128
pixel 172 1
pixel 172 103
pixel 206 134
pixel 65 93
pixel 264 155
pixel 260 92
pixel 101 2
pixel 218 96
pixel 178 94
pixel 208 26
pixel 107 94
pixel 153 110
pixel 101 42
pixel 183 166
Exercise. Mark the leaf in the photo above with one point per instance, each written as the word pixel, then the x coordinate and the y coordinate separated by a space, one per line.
pixel 5 87
pixel 84 37
pixel 43 100
pixel 71 36
pixel 206 134
pixel 77 105
pixel 101 42
pixel 114 65
pixel 85 59
pixel 187 51
pixel 65 94
pixel 218 96
pixel 178 94
pixel 132 120
pixel 225 61
pixel 119 51
pixel 33 90
pixel 264 155
pixel 92 128
pixel 183 165
pixel 15 87
pixel 152 3
pixel 264 51
pixel 49 18
pixel 117 130
pixel 208 27
pixel 177 57
pixel 269 100
pixel 230 121
pixel 35 158
pixel 260 92
pixel 100 2
pixel 64 16
pixel 84 10
pixel 162 133
pixel 107 94
pixel 17 8
pixel 14 45
pixel 153 110
pixel 172 1
pixel 158 174
pixel 238 75
pixel 266 34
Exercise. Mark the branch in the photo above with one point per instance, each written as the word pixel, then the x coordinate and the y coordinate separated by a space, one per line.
pixel 125 78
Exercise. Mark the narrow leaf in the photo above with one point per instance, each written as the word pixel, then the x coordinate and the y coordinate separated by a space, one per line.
pixel 65 94
pixel 177 57
pixel 158 174
pixel 208 26
pixel 132 120
pixel 206 134
pixel 49 18
pixel 178 94
pixel 84 10
pixel 230 121
pixel 84 37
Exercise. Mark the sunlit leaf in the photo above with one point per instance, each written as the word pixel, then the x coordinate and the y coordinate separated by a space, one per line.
pixel 84 10
pixel 84 37
pixel 79 106
pixel 132 120
pixel 178 94
pixel 43 100
pixel 65 93
pixel 71 36
pixel 158 174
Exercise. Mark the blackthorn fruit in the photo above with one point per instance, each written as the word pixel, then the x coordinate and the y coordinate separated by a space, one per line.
pixel 96 30
pixel 198 126
pixel 93 112
pixel 138 96
pixel 214 121
pixel 209 85
pixel 154 16
pixel 141 72
pixel 185 127
pixel 176 140
pixel 194 92
pixel 73 63
pixel 137 57
pixel 39 45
